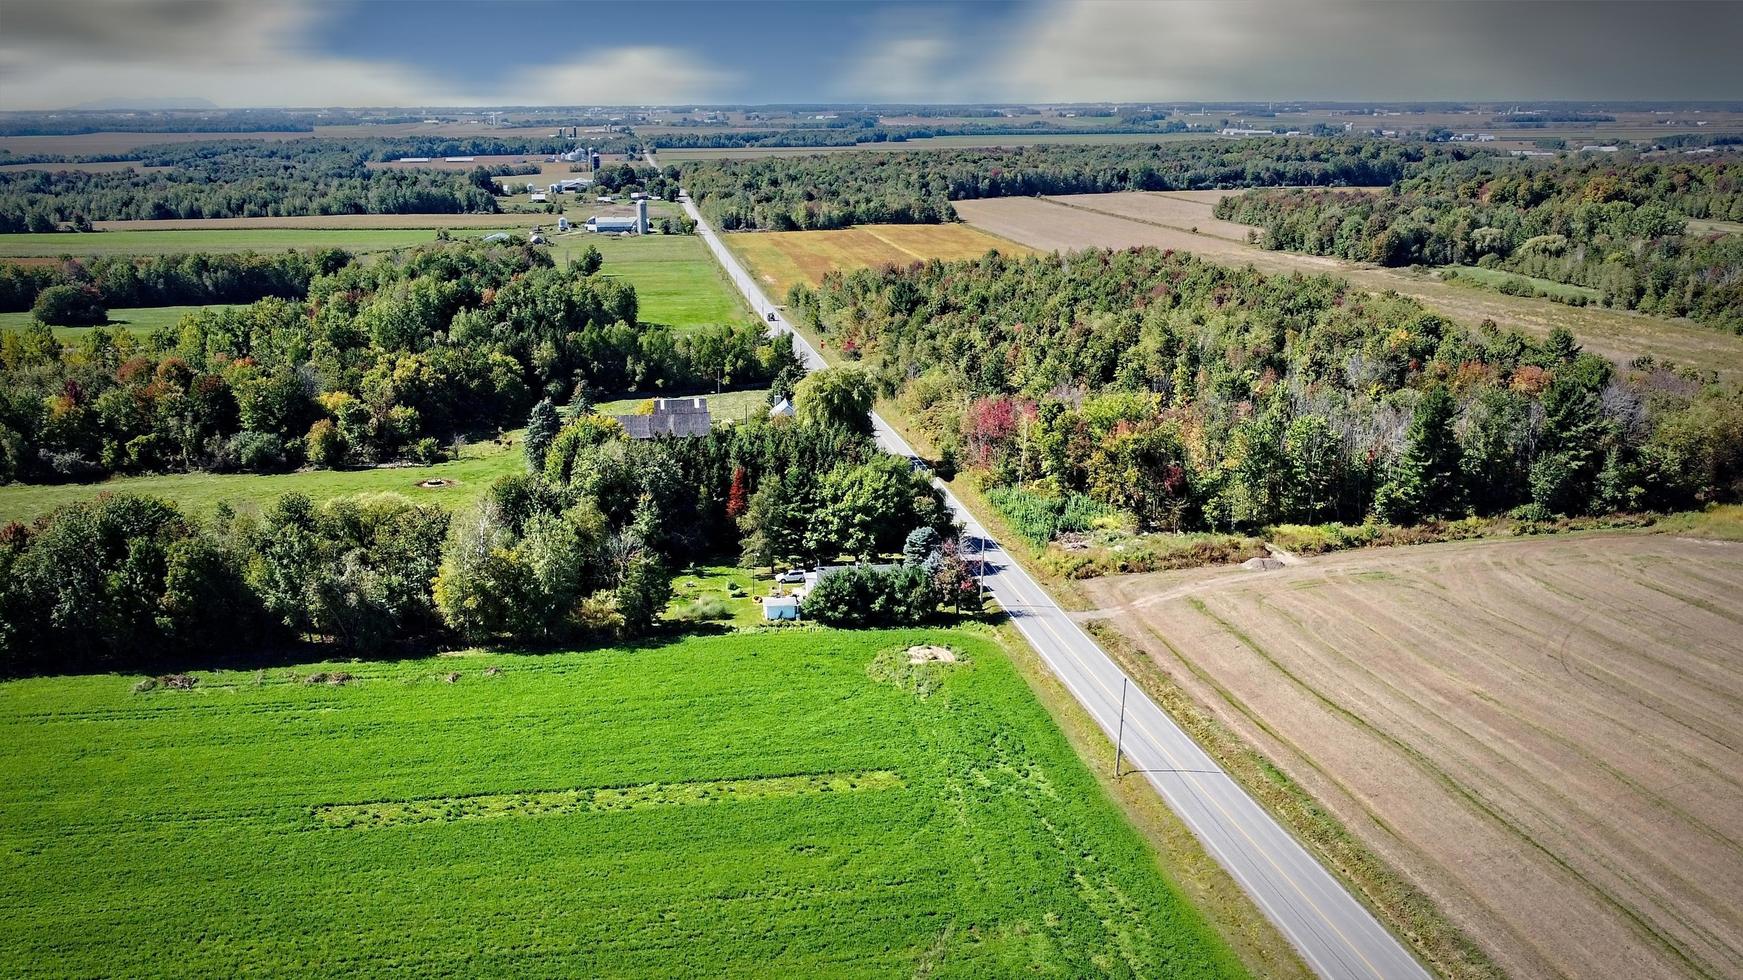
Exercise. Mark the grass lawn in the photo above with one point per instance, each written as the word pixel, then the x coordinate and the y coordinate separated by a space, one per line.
pixel 734 588
pixel 676 279
pixel 479 465
pixel 156 242
pixel 782 802
pixel 143 320
pixel 1493 278
pixel 781 258
pixel 735 405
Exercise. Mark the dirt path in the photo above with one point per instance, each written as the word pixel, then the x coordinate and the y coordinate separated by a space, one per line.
pixel 1545 735
pixel 1167 219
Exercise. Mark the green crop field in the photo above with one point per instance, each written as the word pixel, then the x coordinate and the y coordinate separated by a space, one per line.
pixel 143 319
pixel 786 802
pixel 463 480
pixel 675 278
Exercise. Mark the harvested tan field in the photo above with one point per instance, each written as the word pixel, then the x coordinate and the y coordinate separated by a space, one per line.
pixel 781 258
pixel 307 221
pixel 1105 221
pixel 1543 735
pixel 1161 208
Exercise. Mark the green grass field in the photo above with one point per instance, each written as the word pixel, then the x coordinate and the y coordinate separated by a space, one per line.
pixel 1494 278
pixel 675 278
pixel 787 802
pixel 229 240
pixel 728 405
pixel 142 320
pixel 479 465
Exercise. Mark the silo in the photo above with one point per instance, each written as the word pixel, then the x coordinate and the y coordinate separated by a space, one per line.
pixel 641 216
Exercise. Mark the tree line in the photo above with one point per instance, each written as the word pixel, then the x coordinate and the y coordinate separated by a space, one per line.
pixel 387 358
pixel 188 279
pixel 1191 396
pixel 1617 227
pixel 838 190
pixel 581 546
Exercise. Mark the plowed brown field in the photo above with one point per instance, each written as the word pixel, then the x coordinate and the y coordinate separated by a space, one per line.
pixel 1544 735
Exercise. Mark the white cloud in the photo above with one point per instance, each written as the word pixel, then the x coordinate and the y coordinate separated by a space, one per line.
pixel 1211 50
pixel 622 76
pixel 903 69
pixel 241 54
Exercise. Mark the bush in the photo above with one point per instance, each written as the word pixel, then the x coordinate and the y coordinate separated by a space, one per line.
pixel 257 452
pixel 1040 518
pixel 1153 553
pixel 863 596
pixel 70 306
pixel 705 609
pixel 327 445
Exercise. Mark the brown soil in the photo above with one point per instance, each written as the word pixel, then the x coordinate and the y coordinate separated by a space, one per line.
pixel 1543 735
pixel 1164 220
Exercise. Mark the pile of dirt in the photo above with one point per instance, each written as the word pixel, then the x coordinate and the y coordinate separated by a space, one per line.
pixel 1262 564
pixel 931 654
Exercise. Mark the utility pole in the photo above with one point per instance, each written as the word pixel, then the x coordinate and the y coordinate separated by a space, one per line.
pixel 1120 738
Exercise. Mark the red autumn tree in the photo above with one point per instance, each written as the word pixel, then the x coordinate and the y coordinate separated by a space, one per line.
pixel 738 497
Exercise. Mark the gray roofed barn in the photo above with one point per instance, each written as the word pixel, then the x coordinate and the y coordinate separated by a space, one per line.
pixel 671 417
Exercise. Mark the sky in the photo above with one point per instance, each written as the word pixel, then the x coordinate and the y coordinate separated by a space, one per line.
pixel 257 53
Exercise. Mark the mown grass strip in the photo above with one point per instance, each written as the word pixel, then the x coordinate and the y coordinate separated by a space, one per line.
pixel 449 809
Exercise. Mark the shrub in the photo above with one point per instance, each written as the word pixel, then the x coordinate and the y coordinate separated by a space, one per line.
pixel 863 596
pixel 70 306
pixel 327 445
pixel 705 609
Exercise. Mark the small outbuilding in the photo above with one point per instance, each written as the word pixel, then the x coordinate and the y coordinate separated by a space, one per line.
pixel 780 607
pixel 782 409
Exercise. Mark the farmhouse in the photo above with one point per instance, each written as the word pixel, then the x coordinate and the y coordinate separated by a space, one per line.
pixel 672 417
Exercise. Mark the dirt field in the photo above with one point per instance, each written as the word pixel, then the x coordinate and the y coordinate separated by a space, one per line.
pixel 781 258
pixel 1136 218
pixel 1544 735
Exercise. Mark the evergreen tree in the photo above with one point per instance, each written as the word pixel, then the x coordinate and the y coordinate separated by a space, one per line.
pixel 1564 480
pixel 1425 480
pixel 542 426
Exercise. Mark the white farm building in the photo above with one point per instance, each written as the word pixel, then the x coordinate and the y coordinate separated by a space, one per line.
pixel 636 224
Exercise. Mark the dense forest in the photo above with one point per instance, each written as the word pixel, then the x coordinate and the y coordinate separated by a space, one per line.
pixel 867 129
pixel 835 191
pixel 384 359
pixel 1617 227
pixel 191 279
pixel 582 546
pixel 1195 396
pixel 251 178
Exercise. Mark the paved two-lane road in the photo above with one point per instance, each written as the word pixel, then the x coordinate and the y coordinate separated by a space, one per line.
pixel 1335 934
